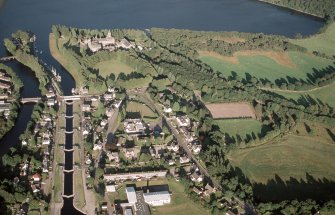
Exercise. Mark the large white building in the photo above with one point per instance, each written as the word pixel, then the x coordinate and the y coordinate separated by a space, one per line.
pixel 157 198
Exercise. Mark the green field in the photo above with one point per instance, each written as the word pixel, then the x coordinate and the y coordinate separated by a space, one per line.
pixel 239 126
pixel 324 42
pixel 143 109
pixel 324 94
pixel 113 66
pixel 291 157
pixel 262 66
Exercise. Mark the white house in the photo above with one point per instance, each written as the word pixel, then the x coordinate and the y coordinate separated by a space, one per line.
pixel 110 188
pixel 183 121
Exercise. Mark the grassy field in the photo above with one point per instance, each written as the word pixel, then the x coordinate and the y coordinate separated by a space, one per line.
pixel 295 64
pixel 113 66
pixel 324 94
pixel 291 157
pixel 141 108
pixel 239 126
pixel 323 42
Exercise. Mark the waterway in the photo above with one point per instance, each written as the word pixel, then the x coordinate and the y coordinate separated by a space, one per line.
pixel 218 15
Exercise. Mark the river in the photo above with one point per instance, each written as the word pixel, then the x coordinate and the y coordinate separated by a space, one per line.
pixel 218 15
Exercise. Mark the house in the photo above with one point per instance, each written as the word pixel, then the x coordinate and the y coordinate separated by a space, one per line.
pixel 229 212
pixel 35 189
pixel 173 147
pixel 50 95
pixel 159 150
pixel 109 96
pixel 110 188
pixel 24 143
pixel 86 108
pixel 36 177
pixel 113 156
pixel 184 159
pixel 197 177
pixel 183 121
pixel 130 153
pixel 97 147
pixel 4 86
pixel 37 127
pixel 104 206
pixel 196 149
pixel 134 126
pixel 103 122
pixel 171 162
pixel 109 112
pixel 111 89
pixel 197 190
pixel 209 190
pixel 46 139
pixel 4 107
pixel 157 198
pixel 51 102
pixel 167 110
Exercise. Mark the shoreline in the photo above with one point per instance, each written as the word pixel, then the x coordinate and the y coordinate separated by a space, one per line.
pixel 295 10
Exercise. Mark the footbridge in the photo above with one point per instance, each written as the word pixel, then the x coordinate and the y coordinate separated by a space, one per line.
pixel 31 100
pixel 71 98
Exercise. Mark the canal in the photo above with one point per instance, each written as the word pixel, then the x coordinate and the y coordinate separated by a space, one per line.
pixel 217 15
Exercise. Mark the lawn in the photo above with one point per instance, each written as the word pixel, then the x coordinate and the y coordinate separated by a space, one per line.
pixel 292 64
pixel 239 126
pixel 113 66
pixel 79 198
pixel 143 109
pixel 180 203
pixel 291 157
pixel 324 94
pixel 324 42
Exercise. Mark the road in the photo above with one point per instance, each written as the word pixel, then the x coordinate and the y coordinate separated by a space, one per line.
pixel 181 141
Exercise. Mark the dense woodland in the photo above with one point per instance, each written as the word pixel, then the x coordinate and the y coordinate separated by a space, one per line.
pixel 322 8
